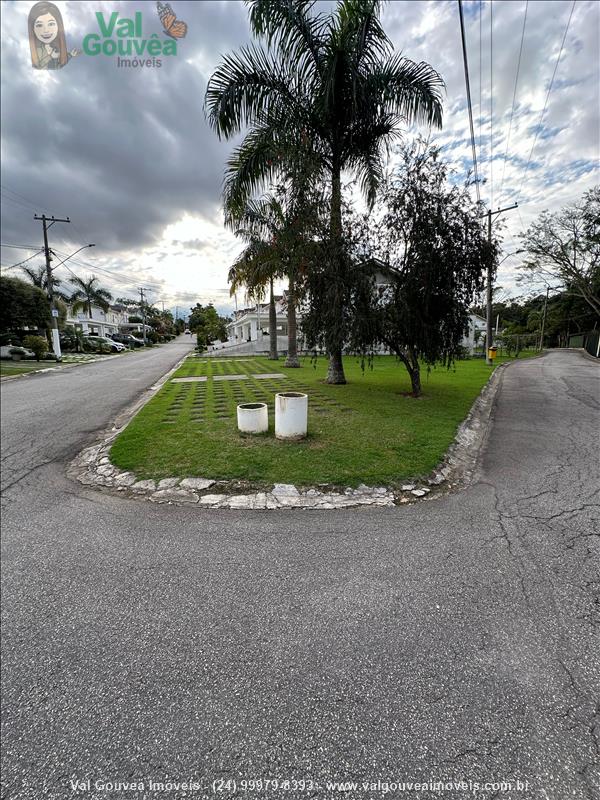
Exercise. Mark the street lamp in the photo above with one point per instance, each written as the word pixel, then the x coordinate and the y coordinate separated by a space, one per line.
pixel 73 254
pixel 508 255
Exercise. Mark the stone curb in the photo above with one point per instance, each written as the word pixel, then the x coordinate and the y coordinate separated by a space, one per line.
pixel 92 467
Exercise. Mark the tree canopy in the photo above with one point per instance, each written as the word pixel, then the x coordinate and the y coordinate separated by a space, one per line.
pixel 563 249
pixel 208 326
pixel 427 253
pixel 23 305
pixel 321 93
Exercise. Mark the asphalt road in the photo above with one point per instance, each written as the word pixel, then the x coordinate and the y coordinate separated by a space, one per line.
pixel 456 639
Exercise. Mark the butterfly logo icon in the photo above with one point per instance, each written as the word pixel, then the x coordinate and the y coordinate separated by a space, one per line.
pixel 173 27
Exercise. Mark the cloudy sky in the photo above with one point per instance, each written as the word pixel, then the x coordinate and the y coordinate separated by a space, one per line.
pixel 126 153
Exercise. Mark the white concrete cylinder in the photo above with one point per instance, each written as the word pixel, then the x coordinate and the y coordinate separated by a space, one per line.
pixel 291 415
pixel 253 417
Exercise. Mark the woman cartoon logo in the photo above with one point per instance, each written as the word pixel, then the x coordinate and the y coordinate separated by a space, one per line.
pixel 47 37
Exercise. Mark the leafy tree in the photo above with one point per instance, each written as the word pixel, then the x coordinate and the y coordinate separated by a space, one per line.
pixel 208 326
pixel 161 321
pixel 23 305
pixel 325 87
pixel 88 294
pixel 127 302
pixel 427 244
pixel 37 344
pixel 564 248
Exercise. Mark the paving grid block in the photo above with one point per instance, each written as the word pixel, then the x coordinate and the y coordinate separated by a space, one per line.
pixel 225 384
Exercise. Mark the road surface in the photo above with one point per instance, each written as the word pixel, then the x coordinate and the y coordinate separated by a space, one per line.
pixel 455 639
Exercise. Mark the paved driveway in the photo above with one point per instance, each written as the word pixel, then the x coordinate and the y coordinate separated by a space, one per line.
pixel 456 639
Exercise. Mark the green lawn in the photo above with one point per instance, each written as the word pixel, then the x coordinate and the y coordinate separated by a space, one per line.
pixel 8 367
pixel 366 431
pixel 19 367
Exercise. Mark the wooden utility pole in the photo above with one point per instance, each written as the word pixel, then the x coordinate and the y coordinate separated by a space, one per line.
pixel 489 333
pixel 143 307
pixel 54 311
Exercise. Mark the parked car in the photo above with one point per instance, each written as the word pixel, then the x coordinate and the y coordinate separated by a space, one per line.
pixel 127 339
pixel 103 341
pixel 187 330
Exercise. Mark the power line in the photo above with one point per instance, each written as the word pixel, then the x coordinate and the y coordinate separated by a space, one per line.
pixel 14 266
pixel 17 194
pixel 132 279
pixel 7 197
pixel 468 85
pixel 22 246
pixel 547 96
pixel 480 71
pixel 491 104
pixel 512 111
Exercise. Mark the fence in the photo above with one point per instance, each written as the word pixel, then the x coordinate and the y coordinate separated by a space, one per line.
pixel 590 341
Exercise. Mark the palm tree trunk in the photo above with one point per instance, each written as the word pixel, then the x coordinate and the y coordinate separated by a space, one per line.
pixel 292 356
pixel 335 336
pixel 273 356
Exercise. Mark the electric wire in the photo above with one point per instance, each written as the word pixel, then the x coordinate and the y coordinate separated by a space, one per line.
pixel 14 266
pixel 539 125
pixel 470 107
pixel 512 111
pixel 491 104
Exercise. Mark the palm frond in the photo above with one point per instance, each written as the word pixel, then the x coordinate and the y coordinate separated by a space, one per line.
pixel 289 27
pixel 247 87
pixel 410 89
pixel 253 164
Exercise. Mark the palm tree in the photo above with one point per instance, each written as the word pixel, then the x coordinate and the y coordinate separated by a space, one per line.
pixel 257 267
pixel 87 294
pixel 325 84
pixel 39 278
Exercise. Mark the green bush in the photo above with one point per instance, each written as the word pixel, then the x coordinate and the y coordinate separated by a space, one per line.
pixel 38 345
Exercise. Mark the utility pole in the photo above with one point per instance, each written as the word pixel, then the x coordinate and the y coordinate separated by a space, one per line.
pixel 143 307
pixel 544 319
pixel 489 321
pixel 54 311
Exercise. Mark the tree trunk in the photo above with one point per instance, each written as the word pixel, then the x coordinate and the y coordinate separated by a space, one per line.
pixel 292 356
pixel 335 336
pixel 273 356
pixel 335 371
pixel 411 362
pixel 415 379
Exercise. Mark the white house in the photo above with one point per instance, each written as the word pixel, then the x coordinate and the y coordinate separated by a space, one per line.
pixel 248 332
pixel 100 323
pixel 105 323
pixel 476 333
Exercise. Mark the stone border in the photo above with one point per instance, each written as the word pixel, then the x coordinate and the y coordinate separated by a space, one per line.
pixel 92 467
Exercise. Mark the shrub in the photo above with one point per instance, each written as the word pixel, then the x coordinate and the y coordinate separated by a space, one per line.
pixel 38 345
